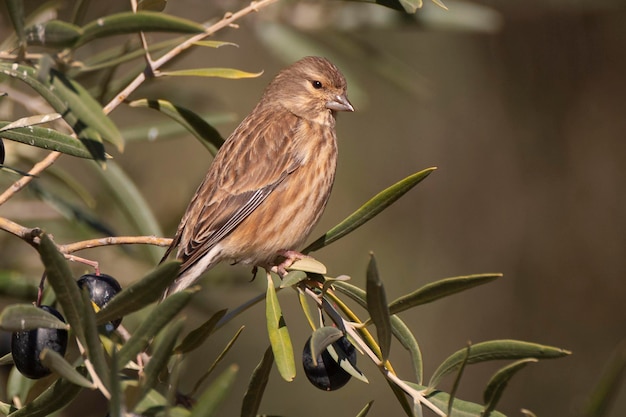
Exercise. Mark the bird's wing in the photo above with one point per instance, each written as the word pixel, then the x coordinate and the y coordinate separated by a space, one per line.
pixel 255 160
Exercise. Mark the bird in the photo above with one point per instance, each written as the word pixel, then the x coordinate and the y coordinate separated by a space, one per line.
pixel 271 179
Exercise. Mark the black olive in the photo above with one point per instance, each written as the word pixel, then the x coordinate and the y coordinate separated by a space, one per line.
pixel 328 375
pixel 102 288
pixel 27 345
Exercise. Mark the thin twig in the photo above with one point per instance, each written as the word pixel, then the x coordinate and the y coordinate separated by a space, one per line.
pixel 114 240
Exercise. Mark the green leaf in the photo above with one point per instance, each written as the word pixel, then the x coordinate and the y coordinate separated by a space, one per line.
pixel 160 357
pixel 321 339
pixel 340 356
pixel 54 33
pixel 498 382
pixel 129 22
pixel 352 291
pixel 58 364
pixel 6 408
pixel 308 264
pixel 140 294
pixel 407 340
pixel 60 278
pixel 212 397
pixel 26 317
pixel 365 410
pixel 495 350
pixel 439 289
pixel 197 336
pixel 31 121
pixel 457 380
pixel 377 307
pixel 369 210
pixel 94 348
pixel 130 200
pixel 81 111
pixel 16 14
pixel 148 329
pixel 219 358
pixel 609 385
pixel 45 138
pixel 292 278
pixel 204 132
pixel 460 408
pixel 256 387
pixel 279 334
pixel 229 73
pixel 214 44
pixel 54 398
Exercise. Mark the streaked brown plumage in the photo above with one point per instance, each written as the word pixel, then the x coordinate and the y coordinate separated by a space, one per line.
pixel 271 180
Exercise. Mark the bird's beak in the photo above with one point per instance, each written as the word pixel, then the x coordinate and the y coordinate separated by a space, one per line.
pixel 340 103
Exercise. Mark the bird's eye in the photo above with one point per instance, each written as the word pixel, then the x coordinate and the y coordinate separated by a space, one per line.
pixel 316 84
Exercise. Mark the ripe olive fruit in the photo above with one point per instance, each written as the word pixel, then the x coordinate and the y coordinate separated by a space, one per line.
pixel 102 288
pixel 27 345
pixel 328 375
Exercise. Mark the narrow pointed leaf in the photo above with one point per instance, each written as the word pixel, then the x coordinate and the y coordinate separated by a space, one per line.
pixel 352 291
pixel 160 357
pixel 407 340
pixel 377 307
pixel 439 289
pixel 608 387
pixel 140 294
pixel 342 358
pixel 115 403
pixel 81 111
pixel 160 316
pixel 16 14
pixel 321 339
pixel 213 396
pixel 204 132
pixel 65 288
pixel 402 399
pixel 130 199
pixel 457 380
pixel 460 407
pixel 215 44
pixel 7 359
pixel 54 361
pixel 279 334
pixel 365 410
pixel 45 138
pixel 369 210
pixel 498 382
pixel 26 317
pixel 292 278
pixel 494 350
pixel 229 73
pixel 53 33
pixel 197 336
pixel 256 387
pixel 94 349
pixel 54 398
pixel 129 22
pixel 31 121
pixel 219 358
pixel 308 264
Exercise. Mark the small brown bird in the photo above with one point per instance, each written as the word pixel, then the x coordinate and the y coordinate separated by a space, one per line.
pixel 269 183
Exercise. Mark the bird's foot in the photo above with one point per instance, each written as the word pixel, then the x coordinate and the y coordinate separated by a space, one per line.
pixel 290 256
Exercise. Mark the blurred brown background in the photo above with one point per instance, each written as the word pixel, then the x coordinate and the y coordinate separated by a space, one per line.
pixel 520 105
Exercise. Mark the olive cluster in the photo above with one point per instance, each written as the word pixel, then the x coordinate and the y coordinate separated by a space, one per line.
pixel 27 345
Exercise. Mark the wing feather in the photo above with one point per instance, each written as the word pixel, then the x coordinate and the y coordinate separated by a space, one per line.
pixel 253 161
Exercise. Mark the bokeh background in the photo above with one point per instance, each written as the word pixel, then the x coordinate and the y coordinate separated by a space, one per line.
pixel 521 106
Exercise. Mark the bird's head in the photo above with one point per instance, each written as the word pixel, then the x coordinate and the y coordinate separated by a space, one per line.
pixel 312 88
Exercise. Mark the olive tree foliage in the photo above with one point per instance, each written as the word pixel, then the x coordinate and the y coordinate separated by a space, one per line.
pixel 62 104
